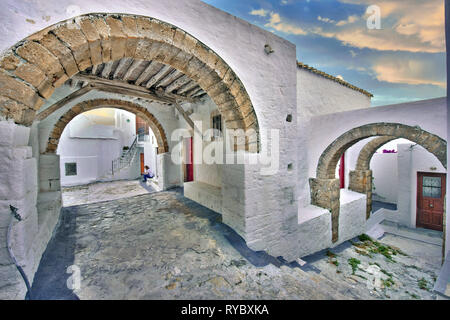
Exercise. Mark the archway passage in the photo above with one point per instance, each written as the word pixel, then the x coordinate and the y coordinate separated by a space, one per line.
pixel 32 69
pixel 360 180
pixel 84 106
pixel 325 191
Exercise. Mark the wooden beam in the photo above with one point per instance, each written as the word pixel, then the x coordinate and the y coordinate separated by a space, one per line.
pixel 151 69
pixel 171 77
pixel 107 69
pixel 169 98
pixel 161 73
pixel 187 87
pixel 131 92
pixel 136 64
pixel 94 69
pixel 185 115
pixel 119 84
pixel 45 113
pixel 177 84
pixel 123 66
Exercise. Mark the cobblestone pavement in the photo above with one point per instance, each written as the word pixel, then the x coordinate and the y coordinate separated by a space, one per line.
pixel 104 191
pixel 164 246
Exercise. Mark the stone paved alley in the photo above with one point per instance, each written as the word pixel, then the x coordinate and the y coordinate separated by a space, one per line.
pixel 164 246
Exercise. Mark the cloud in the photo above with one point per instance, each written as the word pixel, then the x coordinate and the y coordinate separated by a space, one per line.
pixel 276 23
pixel 412 71
pixel 413 25
pixel 260 12
pixel 350 19
pixel 327 20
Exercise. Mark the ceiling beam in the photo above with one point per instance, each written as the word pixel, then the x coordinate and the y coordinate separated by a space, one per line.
pixel 107 69
pixel 158 76
pixel 177 84
pixel 118 84
pixel 123 66
pixel 151 69
pixel 136 64
pixel 187 87
pixel 76 94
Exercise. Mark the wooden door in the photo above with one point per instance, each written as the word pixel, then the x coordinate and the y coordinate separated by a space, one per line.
pixel 142 163
pixel 430 200
pixel 189 160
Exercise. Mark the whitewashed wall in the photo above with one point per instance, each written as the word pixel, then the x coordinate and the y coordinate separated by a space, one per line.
pixel 93 145
pixel 317 95
pixel 384 171
pixel 207 173
pixel 409 160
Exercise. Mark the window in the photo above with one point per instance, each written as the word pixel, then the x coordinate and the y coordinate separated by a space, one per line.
pixel 217 125
pixel 71 168
pixel 431 187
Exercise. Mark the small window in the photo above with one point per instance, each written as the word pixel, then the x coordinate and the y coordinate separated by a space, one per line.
pixel 71 169
pixel 431 187
pixel 217 125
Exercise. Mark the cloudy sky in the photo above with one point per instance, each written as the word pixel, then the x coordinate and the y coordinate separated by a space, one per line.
pixel 402 61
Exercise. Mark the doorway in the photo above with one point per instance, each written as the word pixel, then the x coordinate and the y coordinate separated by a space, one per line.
pixel 430 200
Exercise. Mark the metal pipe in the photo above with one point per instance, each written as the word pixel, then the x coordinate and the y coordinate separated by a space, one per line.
pixel 17 216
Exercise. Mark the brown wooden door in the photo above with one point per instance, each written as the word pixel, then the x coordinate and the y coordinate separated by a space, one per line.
pixel 430 200
pixel 142 163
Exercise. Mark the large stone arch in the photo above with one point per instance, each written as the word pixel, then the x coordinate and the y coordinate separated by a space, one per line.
pixel 32 69
pixel 325 190
pixel 84 106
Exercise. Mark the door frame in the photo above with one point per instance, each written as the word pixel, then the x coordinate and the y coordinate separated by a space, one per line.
pixel 419 193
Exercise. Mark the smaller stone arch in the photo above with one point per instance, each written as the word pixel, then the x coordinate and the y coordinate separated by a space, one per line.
pixel 155 125
pixel 367 152
pixel 325 191
pixel 361 178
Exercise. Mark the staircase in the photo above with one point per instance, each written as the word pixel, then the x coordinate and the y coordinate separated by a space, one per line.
pixel 122 163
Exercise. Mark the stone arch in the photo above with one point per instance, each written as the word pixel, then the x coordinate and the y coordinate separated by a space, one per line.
pixel 367 152
pixel 32 69
pixel 58 128
pixel 325 191
pixel 326 167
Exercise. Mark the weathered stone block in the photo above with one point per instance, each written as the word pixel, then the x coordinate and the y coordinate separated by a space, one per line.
pixel 41 57
pixel 94 40
pixel 19 91
pixel 118 38
pixel 71 34
pixel 104 33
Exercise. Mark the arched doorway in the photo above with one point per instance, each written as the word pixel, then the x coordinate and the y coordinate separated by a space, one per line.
pixel 325 190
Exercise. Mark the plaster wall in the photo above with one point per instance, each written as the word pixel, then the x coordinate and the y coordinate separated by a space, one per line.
pixel 312 102
pixel 384 172
pixel 411 159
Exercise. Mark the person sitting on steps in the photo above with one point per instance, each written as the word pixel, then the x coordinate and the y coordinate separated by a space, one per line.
pixel 147 173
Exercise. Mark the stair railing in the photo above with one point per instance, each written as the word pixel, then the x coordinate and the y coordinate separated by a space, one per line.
pixel 125 159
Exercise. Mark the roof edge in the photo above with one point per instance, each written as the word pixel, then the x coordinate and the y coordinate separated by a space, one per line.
pixel 333 78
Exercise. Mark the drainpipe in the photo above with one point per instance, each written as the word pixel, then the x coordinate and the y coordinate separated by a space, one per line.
pixel 11 254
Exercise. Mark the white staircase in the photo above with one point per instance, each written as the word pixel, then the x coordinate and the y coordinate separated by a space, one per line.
pixel 120 167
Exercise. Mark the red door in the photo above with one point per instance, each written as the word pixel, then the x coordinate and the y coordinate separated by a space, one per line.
pixel 430 200
pixel 342 171
pixel 189 160
pixel 142 163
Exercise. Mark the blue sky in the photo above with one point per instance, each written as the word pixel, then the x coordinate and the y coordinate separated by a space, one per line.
pixel 402 61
